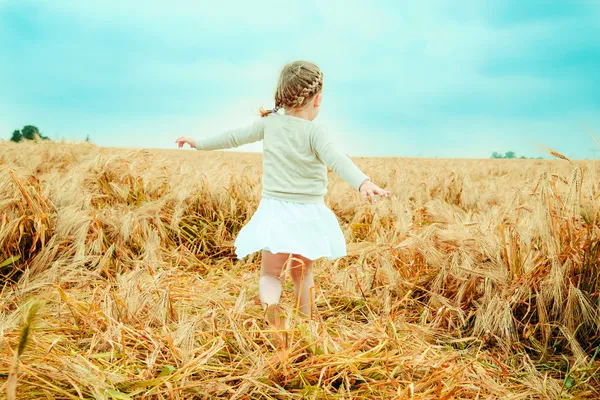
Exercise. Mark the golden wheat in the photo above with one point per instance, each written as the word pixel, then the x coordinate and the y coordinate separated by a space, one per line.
pixel 478 279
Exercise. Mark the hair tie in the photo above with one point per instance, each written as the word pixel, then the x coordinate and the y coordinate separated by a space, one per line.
pixel 274 111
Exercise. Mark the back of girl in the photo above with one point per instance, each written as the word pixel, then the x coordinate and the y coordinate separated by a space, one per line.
pixel 292 226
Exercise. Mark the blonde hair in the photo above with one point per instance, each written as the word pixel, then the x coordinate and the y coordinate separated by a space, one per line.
pixel 299 81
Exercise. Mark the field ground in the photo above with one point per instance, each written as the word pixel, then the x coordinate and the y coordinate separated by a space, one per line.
pixel 477 280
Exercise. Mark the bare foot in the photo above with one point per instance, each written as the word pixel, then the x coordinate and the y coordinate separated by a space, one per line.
pixel 276 318
pixel 280 357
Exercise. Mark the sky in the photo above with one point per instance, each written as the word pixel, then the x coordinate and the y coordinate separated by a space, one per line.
pixel 436 78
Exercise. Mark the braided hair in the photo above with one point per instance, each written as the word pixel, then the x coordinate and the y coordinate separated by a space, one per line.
pixel 299 82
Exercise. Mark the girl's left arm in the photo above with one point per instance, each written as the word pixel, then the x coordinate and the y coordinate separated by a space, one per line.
pixel 344 167
pixel 229 139
pixel 341 164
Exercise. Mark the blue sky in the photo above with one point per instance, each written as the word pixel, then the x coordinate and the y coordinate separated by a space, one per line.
pixel 416 79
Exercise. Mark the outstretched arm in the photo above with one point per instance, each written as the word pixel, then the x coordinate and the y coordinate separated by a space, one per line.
pixel 344 167
pixel 229 139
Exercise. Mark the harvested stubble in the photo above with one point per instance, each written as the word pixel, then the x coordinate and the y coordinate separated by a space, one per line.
pixel 478 279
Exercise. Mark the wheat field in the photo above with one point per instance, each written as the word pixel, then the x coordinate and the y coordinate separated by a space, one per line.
pixel 478 279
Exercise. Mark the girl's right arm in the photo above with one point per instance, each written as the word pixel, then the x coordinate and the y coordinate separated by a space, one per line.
pixel 227 140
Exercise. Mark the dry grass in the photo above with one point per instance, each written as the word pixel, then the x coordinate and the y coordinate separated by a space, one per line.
pixel 478 280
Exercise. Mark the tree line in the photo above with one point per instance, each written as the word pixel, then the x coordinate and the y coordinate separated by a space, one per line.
pixel 29 132
pixel 509 155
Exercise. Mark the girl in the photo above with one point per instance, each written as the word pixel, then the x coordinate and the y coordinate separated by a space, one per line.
pixel 292 225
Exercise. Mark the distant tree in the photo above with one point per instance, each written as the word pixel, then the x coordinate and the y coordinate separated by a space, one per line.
pixel 87 138
pixel 29 132
pixel 16 136
pixel 508 154
pixel 32 132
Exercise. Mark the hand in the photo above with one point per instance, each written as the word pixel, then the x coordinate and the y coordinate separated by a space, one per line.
pixel 186 139
pixel 369 190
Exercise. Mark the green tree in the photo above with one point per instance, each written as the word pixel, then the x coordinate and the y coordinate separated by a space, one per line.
pixel 496 155
pixel 30 132
pixel 16 136
pixel 510 154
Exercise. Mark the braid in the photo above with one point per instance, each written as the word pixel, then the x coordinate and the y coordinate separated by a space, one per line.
pixel 309 90
pixel 298 82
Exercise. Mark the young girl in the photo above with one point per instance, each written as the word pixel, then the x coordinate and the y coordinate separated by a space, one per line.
pixel 292 225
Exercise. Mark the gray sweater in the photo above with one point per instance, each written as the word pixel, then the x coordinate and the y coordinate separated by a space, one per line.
pixel 296 153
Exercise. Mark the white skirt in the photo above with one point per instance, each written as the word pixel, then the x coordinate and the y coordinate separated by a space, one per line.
pixel 310 230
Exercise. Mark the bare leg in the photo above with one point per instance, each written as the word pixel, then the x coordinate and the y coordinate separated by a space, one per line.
pixel 269 289
pixel 302 275
pixel 271 277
